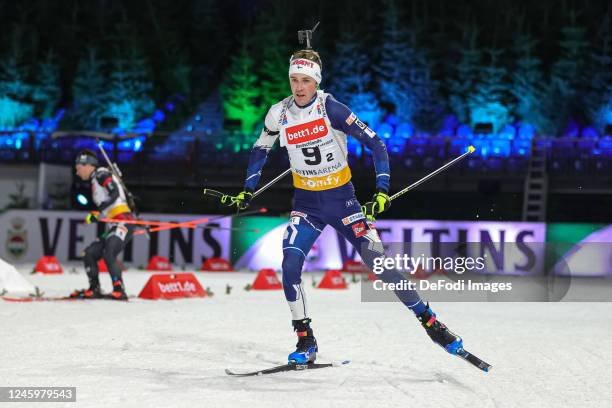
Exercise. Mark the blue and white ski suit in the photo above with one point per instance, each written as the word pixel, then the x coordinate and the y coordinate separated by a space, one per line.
pixel 315 136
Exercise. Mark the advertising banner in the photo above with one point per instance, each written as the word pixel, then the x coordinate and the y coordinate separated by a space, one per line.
pixel 508 245
pixel 512 248
pixel 580 249
pixel 25 236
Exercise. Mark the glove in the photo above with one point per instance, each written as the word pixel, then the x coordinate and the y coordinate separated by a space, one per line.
pixel 93 216
pixel 242 200
pixel 380 202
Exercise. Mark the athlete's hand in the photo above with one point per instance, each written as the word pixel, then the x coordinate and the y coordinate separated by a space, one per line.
pixel 242 200
pixel 380 202
pixel 93 216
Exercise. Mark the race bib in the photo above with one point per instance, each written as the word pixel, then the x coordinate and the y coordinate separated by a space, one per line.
pixel 120 232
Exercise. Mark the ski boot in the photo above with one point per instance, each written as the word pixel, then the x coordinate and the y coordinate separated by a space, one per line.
pixel 118 292
pixel 306 347
pixel 439 333
pixel 91 293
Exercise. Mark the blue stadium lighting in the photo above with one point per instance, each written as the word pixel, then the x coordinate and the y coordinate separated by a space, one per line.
pixel 385 131
pixel 589 133
pixel 159 116
pixel 526 131
pixel 508 132
pixel 132 144
pixel 465 131
pixel 404 131
pixel 144 126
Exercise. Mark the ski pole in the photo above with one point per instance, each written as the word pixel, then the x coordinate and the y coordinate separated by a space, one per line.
pixel 471 150
pixel 255 230
pixel 215 193
pixel 270 183
pixel 261 210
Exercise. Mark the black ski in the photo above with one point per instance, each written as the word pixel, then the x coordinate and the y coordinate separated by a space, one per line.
pixel 58 298
pixel 284 368
pixel 38 298
pixel 475 361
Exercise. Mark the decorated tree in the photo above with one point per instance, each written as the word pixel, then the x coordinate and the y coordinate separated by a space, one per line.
pixel 352 85
pixel 463 82
pixel 241 92
pixel 405 72
pixel 140 85
pixel 528 82
pixel 272 54
pixel 394 59
pixel 598 76
pixel 14 87
pixel 47 90
pixel 13 74
pixel 89 90
pixel 490 102
pixel 119 103
pixel 429 105
pixel 428 108
pixel 563 94
pixel 129 93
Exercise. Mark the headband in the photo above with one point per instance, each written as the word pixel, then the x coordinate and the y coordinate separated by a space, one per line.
pixel 306 67
pixel 84 158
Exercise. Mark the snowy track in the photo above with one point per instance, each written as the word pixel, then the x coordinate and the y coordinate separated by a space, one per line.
pixel 173 353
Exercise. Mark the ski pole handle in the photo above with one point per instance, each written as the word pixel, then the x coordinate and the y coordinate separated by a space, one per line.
pixel 214 193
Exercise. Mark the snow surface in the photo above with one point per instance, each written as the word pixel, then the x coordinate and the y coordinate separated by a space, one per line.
pixel 173 353
pixel 11 279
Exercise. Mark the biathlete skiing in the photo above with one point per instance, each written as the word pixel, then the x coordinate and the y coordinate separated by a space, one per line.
pixel 112 203
pixel 313 126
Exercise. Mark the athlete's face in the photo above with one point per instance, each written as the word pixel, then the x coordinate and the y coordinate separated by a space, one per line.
pixel 303 88
pixel 83 171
